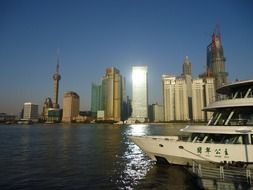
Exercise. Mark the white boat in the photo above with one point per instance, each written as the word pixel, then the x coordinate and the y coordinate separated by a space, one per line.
pixel 226 139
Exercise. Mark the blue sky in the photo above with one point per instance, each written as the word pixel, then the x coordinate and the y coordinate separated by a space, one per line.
pixel 93 35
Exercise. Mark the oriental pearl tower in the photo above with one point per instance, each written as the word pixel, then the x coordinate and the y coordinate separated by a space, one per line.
pixel 56 78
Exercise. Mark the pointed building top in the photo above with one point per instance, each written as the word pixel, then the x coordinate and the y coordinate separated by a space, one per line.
pixel 187 68
pixel 187 60
pixel 216 41
pixel 57 75
pixel 217 30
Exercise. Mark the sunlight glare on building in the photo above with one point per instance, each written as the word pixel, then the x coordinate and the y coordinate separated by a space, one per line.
pixel 140 93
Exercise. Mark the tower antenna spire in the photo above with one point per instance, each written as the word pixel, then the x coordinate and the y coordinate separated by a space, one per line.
pixel 58 61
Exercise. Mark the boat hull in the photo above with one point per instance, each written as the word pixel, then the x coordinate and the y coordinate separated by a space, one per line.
pixel 185 153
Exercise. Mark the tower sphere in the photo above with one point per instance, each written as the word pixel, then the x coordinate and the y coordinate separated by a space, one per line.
pixel 56 76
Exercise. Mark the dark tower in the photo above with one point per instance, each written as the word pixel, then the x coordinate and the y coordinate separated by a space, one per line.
pixel 56 78
pixel 216 60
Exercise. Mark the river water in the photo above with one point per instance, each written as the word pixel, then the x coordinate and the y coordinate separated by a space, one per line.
pixel 84 156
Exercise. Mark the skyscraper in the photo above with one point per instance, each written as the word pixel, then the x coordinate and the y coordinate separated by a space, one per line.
pixel 140 93
pixel 30 111
pixel 198 100
pixel 187 74
pixel 71 103
pixel 96 98
pixel 216 60
pixel 125 109
pixel 169 97
pixel 203 93
pixel 57 78
pixel 156 113
pixel 181 100
pixel 175 98
pixel 112 94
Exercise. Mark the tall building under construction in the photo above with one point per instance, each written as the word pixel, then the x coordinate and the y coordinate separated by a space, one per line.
pixel 216 60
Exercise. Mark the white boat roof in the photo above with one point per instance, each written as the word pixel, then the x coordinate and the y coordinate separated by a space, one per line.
pixel 228 88
pixel 240 102
pixel 217 129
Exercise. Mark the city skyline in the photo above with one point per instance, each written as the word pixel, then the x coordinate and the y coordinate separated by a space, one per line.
pixel 95 35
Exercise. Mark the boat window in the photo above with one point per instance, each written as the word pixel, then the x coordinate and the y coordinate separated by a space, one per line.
pixel 214 118
pixel 192 137
pixel 239 140
pixel 251 93
pixel 200 137
pixel 197 137
pixel 245 139
pixel 242 117
pixel 242 92
pixel 233 139
pixel 214 138
pixel 236 139
pixel 224 115
pixel 227 139
pixel 204 140
pixel 209 139
pixel 185 138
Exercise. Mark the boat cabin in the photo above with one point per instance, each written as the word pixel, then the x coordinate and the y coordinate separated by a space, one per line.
pixel 220 138
pixel 233 106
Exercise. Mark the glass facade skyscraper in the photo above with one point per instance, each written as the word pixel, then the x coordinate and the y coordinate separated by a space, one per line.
pixel 140 93
pixel 96 98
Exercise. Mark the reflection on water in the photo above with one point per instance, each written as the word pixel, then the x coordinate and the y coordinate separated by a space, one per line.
pixel 78 156
pixel 135 167
pixel 138 129
pixel 131 164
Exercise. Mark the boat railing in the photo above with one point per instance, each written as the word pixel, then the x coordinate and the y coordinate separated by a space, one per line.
pixel 223 172
pixel 238 122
